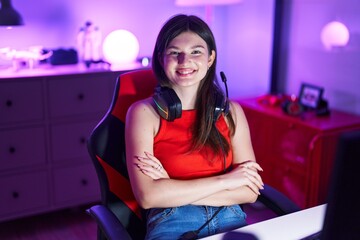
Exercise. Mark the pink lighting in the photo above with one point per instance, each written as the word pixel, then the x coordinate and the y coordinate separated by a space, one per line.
pixel 334 34
pixel 209 4
pixel 205 2
pixel 120 47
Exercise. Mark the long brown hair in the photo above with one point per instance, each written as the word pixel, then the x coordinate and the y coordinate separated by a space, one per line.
pixel 204 130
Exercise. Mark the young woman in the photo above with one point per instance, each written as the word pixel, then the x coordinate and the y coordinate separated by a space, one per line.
pixel 189 173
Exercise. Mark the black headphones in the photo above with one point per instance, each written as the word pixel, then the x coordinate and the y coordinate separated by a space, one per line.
pixel 169 105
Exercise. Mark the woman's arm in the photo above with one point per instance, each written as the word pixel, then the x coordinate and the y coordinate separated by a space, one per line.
pixel 243 155
pixel 142 123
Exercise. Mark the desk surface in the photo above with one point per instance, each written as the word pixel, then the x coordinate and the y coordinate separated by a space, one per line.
pixel 44 70
pixel 289 227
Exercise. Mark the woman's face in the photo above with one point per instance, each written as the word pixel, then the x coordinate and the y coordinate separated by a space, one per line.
pixel 186 60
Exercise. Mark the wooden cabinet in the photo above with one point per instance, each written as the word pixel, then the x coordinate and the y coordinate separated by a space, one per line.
pixel 296 153
pixel 44 125
pixel 22 193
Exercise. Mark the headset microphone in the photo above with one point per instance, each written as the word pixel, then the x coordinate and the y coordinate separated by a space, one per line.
pixel 223 78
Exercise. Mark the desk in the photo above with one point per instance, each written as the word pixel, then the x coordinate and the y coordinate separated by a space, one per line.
pixel 288 227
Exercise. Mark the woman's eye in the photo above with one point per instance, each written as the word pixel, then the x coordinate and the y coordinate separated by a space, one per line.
pixel 196 52
pixel 173 53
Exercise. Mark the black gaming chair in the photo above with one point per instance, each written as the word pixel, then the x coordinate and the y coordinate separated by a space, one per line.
pixel 119 216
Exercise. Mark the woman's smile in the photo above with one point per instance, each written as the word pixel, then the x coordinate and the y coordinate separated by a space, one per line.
pixel 185 72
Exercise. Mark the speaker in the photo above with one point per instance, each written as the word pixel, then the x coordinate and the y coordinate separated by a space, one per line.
pixel 169 105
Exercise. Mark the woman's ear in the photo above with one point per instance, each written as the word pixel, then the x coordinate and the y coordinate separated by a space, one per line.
pixel 211 58
pixel 160 59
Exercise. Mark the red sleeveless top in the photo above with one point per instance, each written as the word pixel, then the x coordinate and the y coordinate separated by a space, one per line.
pixel 172 144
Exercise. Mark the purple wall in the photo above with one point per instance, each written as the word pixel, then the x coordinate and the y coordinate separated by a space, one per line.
pixel 338 71
pixel 243 31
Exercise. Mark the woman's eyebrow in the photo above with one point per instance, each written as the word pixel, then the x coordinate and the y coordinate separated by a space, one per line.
pixel 200 46
pixel 195 46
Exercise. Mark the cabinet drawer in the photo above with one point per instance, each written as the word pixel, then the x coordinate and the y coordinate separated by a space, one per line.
pixel 23 192
pixel 292 182
pixel 78 96
pixel 292 143
pixel 76 183
pixel 22 147
pixel 69 140
pixel 21 101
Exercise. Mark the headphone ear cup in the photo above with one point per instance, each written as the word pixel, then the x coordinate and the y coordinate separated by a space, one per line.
pixel 167 103
pixel 221 106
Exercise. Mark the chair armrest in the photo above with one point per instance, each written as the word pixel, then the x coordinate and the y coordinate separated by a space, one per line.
pixel 108 223
pixel 276 201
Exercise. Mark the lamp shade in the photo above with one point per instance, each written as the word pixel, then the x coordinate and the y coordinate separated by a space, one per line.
pixel 120 47
pixel 8 15
pixel 335 34
pixel 205 2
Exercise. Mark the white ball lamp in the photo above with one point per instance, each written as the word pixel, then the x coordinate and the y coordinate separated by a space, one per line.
pixel 120 48
pixel 334 34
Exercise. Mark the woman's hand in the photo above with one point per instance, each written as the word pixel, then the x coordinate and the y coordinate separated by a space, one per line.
pixel 151 166
pixel 245 174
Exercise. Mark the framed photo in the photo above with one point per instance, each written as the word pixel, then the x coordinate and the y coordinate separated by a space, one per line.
pixel 310 95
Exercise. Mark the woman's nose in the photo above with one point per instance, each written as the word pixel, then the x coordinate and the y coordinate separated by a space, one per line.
pixel 182 58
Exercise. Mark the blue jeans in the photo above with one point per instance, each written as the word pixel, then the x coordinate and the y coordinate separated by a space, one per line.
pixel 171 223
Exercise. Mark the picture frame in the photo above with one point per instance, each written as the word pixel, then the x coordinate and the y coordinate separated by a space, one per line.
pixel 310 95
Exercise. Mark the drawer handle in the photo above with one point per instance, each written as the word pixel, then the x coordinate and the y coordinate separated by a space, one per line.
pixel 12 150
pixel 81 96
pixel 84 182
pixel 9 103
pixel 15 195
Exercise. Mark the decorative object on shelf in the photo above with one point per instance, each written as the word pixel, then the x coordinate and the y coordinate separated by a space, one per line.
pixel 310 100
pixel 289 104
pixel 89 41
pixel 272 100
pixel 29 57
pixel 310 95
pixel 63 56
pixel 334 34
pixel 8 15
pixel 121 47
pixel 292 106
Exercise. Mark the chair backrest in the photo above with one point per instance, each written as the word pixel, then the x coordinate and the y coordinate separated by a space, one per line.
pixel 106 146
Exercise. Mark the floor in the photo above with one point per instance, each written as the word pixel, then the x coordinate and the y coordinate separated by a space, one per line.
pixel 68 224
pixel 75 224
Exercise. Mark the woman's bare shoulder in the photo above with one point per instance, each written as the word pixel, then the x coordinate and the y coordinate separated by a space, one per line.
pixel 142 109
pixel 236 110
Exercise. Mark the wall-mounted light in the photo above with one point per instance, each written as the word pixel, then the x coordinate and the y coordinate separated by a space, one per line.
pixel 334 34
pixel 8 15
